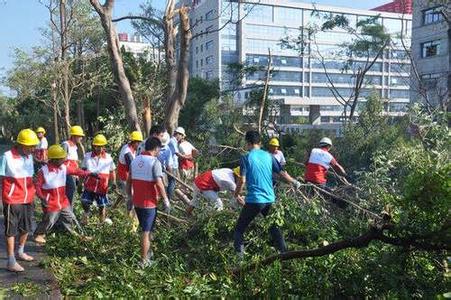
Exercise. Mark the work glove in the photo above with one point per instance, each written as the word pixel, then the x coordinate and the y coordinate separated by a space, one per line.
pixel 93 174
pixel 167 206
pixel 296 184
pixel 113 187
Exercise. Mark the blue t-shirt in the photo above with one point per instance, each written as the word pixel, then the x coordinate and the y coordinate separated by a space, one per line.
pixel 174 147
pixel 165 157
pixel 258 166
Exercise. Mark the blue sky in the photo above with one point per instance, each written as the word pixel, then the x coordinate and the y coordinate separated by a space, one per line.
pixel 20 21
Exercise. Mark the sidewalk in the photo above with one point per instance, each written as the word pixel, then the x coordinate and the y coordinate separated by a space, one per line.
pixel 36 276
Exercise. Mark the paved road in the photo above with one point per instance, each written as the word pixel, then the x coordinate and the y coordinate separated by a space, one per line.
pixel 33 272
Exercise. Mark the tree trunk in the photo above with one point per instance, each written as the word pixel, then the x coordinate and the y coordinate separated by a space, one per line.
pixel 55 113
pixel 178 77
pixel 65 66
pixel 265 93
pixel 105 12
pixel 147 114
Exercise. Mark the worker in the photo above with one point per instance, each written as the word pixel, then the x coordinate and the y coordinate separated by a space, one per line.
pixel 96 189
pixel 320 161
pixel 126 156
pixel 16 172
pixel 256 169
pixel 274 149
pixel 146 182
pixel 156 131
pixel 40 153
pixel 209 183
pixel 51 190
pixel 165 156
pixel 187 154
pixel 70 146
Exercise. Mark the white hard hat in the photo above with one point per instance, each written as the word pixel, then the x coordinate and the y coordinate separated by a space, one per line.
pixel 165 139
pixel 180 130
pixel 325 141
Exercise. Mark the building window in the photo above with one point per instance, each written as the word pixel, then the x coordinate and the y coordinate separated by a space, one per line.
pixel 432 15
pixel 430 49
pixel 197 64
pixel 210 15
pixel 197 50
pixel 209 29
pixel 202 62
pixel 209 59
pixel 208 45
pixel 202 48
pixel 209 75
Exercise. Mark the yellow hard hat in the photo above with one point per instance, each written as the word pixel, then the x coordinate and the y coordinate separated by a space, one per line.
pixel 236 171
pixel 40 130
pixel 76 131
pixel 99 140
pixel 27 137
pixel 274 142
pixel 136 136
pixel 57 152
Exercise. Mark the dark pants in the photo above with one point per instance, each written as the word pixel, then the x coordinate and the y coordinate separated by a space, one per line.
pixel 70 188
pixel 65 216
pixel 171 185
pixel 248 213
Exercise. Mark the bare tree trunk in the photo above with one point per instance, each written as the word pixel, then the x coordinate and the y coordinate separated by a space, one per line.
pixel 265 92
pixel 178 77
pixel 55 113
pixel 105 12
pixel 65 65
pixel 147 114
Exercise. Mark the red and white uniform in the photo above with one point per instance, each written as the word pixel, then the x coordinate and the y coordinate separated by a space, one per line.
pixel 51 185
pixel 123 168
pixel 41 149
pixel 101 164
pixel 72 154
pixel 145 171
pixel 186 148
pixel 319 162
pixel 216 180
pixel 18 187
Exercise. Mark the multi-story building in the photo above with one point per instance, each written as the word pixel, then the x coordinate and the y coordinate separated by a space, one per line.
pixel 431 52
pixel 134 44
pixel 230 32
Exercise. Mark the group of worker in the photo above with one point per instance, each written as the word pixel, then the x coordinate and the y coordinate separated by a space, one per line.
pixel 147 171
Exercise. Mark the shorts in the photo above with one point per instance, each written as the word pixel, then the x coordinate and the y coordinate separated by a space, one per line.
pixel 87 198
pixel 18 218
pixel 146 218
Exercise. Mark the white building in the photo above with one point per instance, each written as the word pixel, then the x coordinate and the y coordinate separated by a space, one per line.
pixel 135 45
pixel 299 78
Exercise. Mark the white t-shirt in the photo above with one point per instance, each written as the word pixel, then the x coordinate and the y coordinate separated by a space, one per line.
pixel 186 148
pixel 43 144
pixel 280 157
pixel 224 179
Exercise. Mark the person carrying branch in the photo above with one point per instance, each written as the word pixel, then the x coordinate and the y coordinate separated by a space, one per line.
pixel 147 184
pixel 319 162
pixel 210 183
pixel 18 191
pixel 96 189
pixel 257 168
pixel 51 190
pixel 126 156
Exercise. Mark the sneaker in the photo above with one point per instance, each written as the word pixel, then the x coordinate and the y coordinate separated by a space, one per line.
pixel 40 239
pixel 15 268
pixel 25 257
